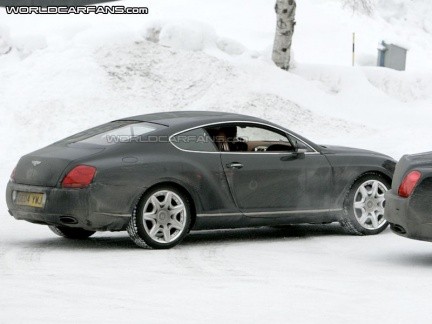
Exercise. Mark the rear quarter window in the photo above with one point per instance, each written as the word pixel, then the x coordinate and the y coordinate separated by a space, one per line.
pixel 196 140
pixel 113 133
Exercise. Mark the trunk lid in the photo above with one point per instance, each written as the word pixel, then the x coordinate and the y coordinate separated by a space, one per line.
pixel 409 163
pixel 46 166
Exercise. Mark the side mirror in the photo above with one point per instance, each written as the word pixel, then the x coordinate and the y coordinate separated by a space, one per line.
pixel 298 150
pixel 301 151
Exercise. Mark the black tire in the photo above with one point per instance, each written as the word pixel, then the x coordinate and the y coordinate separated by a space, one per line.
pixel 71 232
pixel 349 221
pixel 137 229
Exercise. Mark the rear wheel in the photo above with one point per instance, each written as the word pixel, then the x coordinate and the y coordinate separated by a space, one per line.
pixel 71 232
pixel 364 206
pixel 161 220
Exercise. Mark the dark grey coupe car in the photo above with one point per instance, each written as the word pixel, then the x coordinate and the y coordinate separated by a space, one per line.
pixel 158 176
pixel 409 203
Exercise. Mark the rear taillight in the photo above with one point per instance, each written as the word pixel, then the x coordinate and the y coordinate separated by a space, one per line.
pixel 408 184
pixel 12 176
pixel 79 177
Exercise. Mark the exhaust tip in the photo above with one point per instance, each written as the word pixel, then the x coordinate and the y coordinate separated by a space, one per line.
pixel 398 229
pixel 68 220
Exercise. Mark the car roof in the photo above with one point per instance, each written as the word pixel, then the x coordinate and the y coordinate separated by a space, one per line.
pixel 178 121
pixel 186 119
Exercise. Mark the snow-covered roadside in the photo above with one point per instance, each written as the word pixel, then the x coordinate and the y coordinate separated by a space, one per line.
pixel 304 274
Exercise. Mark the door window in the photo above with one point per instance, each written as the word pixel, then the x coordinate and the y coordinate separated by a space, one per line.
pixel 249 138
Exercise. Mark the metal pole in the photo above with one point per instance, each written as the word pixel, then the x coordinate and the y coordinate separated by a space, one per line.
pixel 353 49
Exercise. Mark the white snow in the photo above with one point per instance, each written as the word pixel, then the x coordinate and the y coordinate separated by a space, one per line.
pixel 65 74
pixel 5 43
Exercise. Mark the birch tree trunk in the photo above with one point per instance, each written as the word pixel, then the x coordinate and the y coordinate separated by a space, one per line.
pixel 285 11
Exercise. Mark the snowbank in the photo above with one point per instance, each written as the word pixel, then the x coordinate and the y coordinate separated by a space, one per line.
pixel 5 42
pixel 190 36
pixel 83 70
pixel 323 31
pixel 26 45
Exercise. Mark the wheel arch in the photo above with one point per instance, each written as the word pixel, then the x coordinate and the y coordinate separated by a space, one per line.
pixel 348 187
pixel 180 187
pixel 374 172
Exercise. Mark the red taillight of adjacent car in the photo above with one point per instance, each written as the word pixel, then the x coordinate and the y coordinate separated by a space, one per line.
pixel 79 177
pixel 408 184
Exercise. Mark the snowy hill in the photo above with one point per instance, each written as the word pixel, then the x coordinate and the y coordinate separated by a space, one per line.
pixel 76 71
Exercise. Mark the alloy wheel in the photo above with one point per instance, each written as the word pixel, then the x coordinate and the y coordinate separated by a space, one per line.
pixel 369 203
pixel 164 216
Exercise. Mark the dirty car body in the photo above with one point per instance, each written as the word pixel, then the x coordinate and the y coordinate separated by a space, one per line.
pixel 284 180
pixel 409 203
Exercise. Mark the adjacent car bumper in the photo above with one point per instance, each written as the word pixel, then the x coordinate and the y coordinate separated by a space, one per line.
pixel 409 217
pixel 81 208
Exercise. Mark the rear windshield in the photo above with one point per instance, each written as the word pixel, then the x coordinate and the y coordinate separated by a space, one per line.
pixel 122 131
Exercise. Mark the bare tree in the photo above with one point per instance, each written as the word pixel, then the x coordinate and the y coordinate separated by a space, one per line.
pixel 285 11
pixel 360 6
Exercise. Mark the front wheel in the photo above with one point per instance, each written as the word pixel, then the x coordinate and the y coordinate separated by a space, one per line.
pixel 364 206
pixel 71 232
pixel 161 220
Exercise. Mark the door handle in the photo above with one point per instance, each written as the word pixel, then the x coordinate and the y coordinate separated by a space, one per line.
pixel 234 165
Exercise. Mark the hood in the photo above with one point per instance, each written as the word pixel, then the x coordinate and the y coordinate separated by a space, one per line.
pixel 333 149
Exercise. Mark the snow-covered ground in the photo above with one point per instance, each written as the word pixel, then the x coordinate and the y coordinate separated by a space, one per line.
pixel 65 74
pixel 304 274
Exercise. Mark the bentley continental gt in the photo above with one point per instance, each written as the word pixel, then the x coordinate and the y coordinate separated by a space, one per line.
pixel 159 176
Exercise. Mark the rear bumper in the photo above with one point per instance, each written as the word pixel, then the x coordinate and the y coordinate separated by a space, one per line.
pixel 68 207
pixel 408 218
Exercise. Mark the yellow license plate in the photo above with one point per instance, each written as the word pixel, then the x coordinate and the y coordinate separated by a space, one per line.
pixel 30 199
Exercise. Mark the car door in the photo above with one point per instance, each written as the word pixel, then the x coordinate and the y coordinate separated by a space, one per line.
pixel 197 163
pixel 272 177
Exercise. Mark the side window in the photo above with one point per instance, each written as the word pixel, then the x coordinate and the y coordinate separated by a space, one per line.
pixel 121 131
pixel 249 138
pixel 260 134
pixel 194 140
